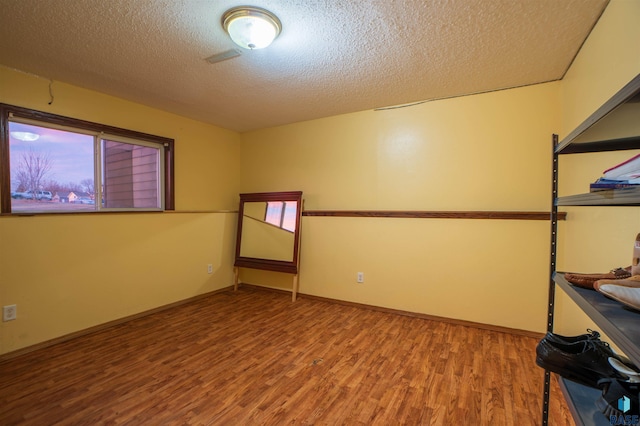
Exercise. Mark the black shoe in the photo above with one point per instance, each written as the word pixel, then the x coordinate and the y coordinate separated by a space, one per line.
pixel 593 336
pixel 583 361
pixel 590 335
pixel 619 398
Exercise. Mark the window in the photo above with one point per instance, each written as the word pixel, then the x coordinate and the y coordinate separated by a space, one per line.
pixel 282 214
pixel 58 164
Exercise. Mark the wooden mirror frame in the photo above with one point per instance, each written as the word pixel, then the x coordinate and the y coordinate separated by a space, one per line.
pixel 290 267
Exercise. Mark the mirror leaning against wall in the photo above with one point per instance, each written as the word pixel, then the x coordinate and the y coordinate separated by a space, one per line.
pixel 268 233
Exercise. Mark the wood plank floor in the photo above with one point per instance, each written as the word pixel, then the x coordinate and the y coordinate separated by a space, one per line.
pixel 254 358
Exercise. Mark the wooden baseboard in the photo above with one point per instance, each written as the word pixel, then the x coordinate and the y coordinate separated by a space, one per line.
pixel 100 327
pixel 490 327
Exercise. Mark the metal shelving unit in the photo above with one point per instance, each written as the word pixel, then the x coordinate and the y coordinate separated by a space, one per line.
pixel 615 197
pixel 620 324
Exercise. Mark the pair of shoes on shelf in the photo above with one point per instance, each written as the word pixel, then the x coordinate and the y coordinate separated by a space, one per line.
pixel 588 280
pixel 625 291
pixel 583 359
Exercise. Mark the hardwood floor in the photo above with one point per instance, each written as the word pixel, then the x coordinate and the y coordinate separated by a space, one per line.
pixel 252 357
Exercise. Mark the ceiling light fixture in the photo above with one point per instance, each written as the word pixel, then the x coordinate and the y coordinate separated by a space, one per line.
pixel 26 136
pixel 251 27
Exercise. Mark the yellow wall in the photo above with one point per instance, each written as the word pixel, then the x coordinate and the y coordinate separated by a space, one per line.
pixel 67 273
pixel 482 152
pixel 607 61
pixel 596 239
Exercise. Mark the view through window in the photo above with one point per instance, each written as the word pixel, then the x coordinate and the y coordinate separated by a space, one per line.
pixel 60 168
pixel 51 170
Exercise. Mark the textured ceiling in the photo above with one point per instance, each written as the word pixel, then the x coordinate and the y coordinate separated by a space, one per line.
pixel 332 57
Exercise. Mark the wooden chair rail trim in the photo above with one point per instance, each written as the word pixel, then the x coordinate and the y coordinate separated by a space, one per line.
pixel 411 214
pixel 403 214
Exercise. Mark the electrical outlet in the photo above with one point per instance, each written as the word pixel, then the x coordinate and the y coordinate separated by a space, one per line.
pixel 360 277
pixel 9 312
pixel 210 269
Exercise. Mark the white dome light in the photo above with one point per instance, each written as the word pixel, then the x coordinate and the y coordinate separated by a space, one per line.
pixel 251 27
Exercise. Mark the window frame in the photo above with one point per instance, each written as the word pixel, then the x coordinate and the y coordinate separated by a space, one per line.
pixel 282 210
pixel 7 112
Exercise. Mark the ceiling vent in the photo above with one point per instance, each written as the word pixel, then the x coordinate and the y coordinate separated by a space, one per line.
pixel 227 54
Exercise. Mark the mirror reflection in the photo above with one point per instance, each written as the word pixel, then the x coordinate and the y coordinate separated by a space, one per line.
pixel 268 230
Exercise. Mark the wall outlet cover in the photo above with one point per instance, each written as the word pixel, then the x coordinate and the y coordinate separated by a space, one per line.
pixel 9 312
